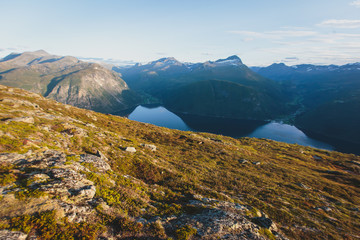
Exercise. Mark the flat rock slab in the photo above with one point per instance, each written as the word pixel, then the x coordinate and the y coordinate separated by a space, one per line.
pixel 12 235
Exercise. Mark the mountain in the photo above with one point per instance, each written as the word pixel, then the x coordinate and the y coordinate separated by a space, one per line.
pixel 67 80
pixel 188 87
pixel 70 173
pixel 328 98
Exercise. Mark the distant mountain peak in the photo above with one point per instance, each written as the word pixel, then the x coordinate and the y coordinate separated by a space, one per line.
pixel 40 52
pixel 233 58
pixel 162 62
pixel 166 60
pixel 278 64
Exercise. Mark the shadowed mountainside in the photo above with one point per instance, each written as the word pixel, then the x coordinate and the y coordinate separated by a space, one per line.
pixel 328 97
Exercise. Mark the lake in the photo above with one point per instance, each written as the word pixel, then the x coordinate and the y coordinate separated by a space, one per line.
pixel 236 128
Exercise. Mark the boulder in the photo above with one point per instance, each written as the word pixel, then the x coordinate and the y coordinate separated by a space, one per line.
pixel 98 161
pixel 87 192
pixel 149 146
pixel 264 222
pixel 130 149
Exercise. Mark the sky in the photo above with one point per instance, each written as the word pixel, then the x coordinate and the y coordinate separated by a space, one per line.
pixel 260 32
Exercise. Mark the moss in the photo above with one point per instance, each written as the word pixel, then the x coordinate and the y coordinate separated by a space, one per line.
pixel 7 176
pixel 168 209
pixel 267 233
pixel 72 158
pixel 185 233
pixel 29 193
pixel 6 179
pixel 120 199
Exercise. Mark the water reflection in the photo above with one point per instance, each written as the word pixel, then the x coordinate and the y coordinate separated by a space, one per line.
pixel 287 133
pixel 225 126
pixel 160 116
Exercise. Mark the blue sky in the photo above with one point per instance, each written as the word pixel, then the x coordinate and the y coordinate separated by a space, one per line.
pixel 258 31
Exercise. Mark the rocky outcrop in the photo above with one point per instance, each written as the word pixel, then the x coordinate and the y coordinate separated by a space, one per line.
pixel 215 219
pixel 58 175
pixel 99 162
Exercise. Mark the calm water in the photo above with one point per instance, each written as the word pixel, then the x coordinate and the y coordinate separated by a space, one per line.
pixel 160 116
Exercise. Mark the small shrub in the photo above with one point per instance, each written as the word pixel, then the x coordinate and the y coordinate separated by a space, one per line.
pixel 7 179
pixel 169 209
pixel 157 230
pixel 126 225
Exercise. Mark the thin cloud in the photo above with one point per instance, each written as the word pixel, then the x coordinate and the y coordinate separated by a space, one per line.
pixel 290 59
pixel 306 46
pixel 280 34
pixel 248 33
pixel 292 33
pixel 340 23
pixel 355 3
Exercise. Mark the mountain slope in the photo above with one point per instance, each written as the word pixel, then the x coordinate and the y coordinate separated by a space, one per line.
pixel 221 99
pixel 70 173
pixel 67 80
pixel 167 77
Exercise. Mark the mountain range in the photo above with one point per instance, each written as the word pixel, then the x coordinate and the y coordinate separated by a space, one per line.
pixel 68 80
pixel 223 88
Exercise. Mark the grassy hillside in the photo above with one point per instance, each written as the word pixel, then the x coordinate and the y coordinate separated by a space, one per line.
pixel 69 173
